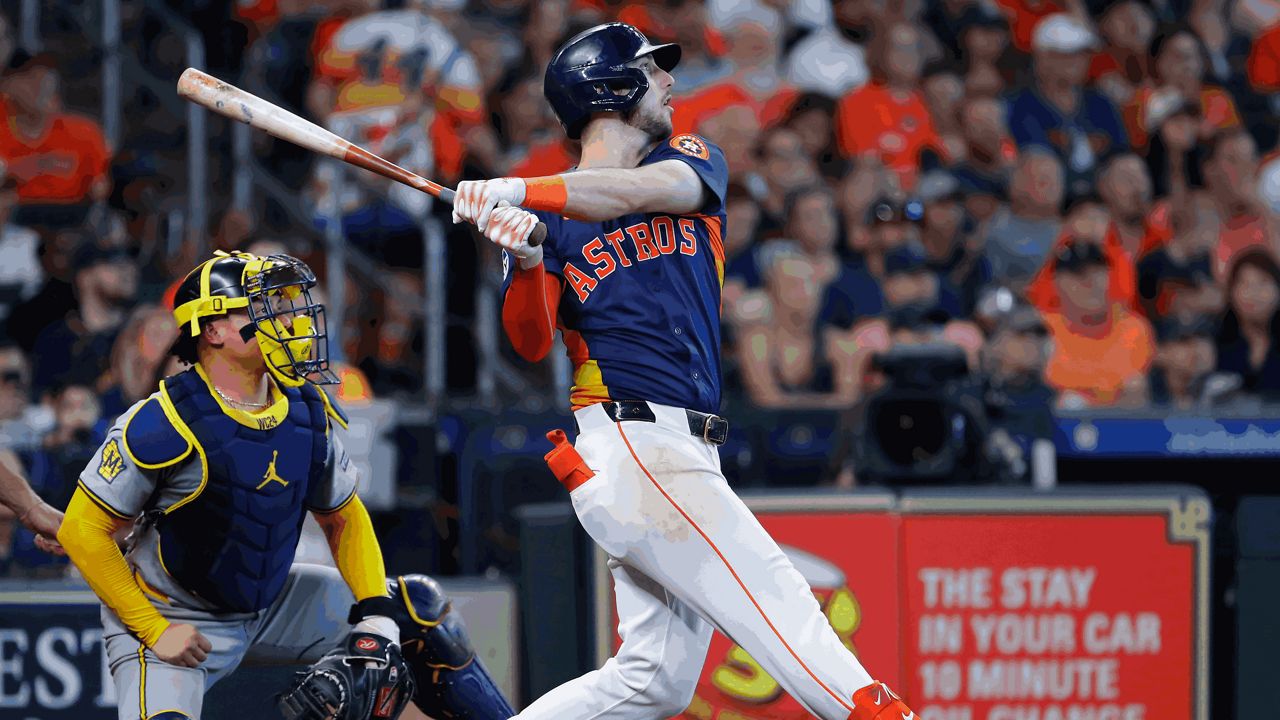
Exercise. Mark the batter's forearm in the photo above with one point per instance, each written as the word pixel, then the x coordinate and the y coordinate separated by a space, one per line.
pixel 86 534
pixel 599 195
pixel 356 552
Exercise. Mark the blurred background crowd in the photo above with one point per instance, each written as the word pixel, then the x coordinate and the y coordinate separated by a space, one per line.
pixel 1021 207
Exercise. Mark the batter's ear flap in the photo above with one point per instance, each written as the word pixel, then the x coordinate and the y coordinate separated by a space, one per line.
pixel 565 462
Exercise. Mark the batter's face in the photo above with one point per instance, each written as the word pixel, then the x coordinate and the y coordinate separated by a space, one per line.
pixel 653 114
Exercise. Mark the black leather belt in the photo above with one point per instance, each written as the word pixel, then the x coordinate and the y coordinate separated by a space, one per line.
pixel 712 428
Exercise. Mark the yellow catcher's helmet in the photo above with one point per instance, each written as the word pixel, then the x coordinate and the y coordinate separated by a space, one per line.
pixel 275 292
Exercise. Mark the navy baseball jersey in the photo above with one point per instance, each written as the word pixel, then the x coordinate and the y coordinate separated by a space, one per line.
pixel 640 310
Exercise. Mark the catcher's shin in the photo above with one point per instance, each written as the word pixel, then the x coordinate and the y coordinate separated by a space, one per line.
pixel 452 682
pixel 363 679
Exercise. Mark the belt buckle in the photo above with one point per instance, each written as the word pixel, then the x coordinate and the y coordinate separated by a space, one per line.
pixel 706 428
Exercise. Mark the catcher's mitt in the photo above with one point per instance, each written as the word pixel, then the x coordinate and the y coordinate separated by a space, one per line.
pixel 363 679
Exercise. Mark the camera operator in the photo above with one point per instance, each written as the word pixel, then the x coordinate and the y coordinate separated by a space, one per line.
pixel 916 383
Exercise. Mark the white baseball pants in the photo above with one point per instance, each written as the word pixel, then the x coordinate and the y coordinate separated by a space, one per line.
pixel 687 555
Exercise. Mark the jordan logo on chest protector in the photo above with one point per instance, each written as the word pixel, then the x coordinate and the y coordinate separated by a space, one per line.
pixel 271 475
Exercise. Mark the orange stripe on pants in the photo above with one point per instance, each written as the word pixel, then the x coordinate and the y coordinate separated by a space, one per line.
pixel 845 704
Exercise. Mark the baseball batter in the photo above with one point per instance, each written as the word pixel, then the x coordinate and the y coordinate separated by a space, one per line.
pixel 215 473
pixel 631 272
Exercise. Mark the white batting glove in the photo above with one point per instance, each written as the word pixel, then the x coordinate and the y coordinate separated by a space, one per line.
pixel 476 199
pixel 509 228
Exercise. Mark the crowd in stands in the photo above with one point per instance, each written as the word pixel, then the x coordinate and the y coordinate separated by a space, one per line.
pixel 1082 195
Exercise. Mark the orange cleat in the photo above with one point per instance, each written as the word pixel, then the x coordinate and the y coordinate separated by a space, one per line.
pixel 877 702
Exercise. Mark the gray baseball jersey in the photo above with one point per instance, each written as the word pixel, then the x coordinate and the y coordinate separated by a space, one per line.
pixel 128 490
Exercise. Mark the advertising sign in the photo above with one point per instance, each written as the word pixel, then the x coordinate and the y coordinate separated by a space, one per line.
pixel 51 659
pixel 1051 612
pixel 992 607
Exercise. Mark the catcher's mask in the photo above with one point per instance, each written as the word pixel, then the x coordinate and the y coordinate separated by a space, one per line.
pixel 276 292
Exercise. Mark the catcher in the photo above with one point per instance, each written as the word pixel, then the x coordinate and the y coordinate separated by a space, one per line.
pixel 215 472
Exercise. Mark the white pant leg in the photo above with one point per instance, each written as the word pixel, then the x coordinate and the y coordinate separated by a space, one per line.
pixel 654 674
pixel 664 507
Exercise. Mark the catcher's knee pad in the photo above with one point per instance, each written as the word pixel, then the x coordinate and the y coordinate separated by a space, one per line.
pixel 452 682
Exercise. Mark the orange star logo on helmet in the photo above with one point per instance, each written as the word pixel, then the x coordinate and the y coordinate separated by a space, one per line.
pixel 691 145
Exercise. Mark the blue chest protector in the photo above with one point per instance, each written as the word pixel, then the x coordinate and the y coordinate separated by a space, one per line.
pixel 232 542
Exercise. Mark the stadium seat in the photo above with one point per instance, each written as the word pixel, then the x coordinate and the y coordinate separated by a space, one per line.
pixel 795 446
pixel 501 468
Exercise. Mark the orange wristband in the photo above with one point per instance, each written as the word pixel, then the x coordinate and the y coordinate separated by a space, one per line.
pixel 546 193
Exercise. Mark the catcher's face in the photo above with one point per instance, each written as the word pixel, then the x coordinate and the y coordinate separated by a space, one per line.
pixel 224 337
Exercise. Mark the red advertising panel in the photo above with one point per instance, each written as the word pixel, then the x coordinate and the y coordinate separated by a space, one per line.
pixel 1044 609
pixel 1049 616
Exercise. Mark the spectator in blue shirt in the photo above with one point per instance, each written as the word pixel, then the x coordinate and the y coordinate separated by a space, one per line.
pixel 1082 127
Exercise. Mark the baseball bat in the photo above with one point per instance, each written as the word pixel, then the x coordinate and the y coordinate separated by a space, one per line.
pixel 232 102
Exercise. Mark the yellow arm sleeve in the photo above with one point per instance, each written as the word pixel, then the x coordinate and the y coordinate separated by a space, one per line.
pixel 355 549
pixel 86 535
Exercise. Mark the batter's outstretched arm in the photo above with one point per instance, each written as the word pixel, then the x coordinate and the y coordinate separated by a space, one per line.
pixel 601 194
pixel 529 311
pixel 33 512
pixel 592 195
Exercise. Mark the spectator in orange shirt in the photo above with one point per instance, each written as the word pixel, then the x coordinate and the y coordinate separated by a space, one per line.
pixel 888 116
pixel 58 158
pixel 1101 351
pixel 1086 221
pixel 755 81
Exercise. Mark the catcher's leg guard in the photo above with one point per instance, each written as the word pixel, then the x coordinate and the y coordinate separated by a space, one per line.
pixel 452 682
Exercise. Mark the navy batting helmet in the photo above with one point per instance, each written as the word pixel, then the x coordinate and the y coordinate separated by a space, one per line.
pixel 590 74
